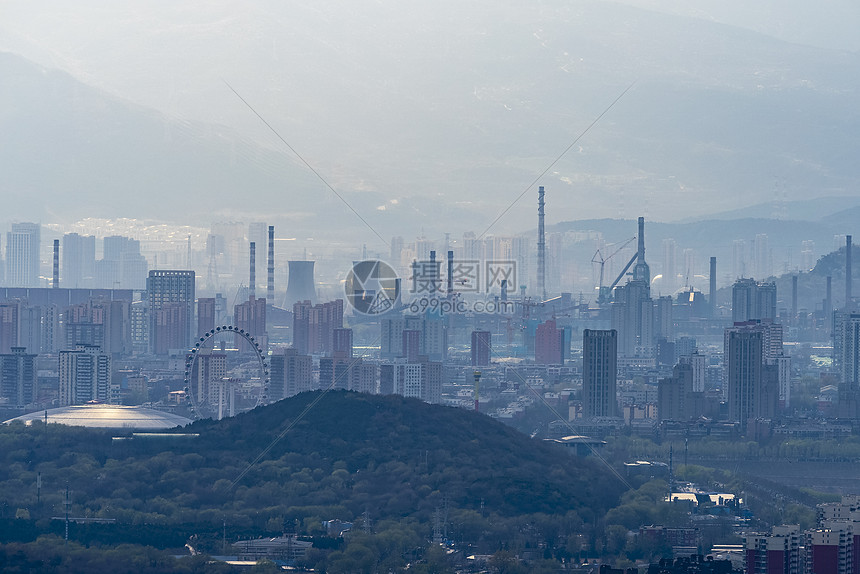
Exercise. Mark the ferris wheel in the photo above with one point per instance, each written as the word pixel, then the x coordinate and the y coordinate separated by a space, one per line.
pixel 208 399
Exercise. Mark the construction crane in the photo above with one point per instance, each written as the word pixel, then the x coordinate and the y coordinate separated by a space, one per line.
pixel 603 292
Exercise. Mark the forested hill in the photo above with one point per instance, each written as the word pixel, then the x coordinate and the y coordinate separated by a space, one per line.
pixel 350 453
pixel 397 456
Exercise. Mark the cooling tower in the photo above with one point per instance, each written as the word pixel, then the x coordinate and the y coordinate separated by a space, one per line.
pixel 300 283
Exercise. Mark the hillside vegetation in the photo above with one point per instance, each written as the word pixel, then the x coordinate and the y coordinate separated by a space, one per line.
pixel 397 461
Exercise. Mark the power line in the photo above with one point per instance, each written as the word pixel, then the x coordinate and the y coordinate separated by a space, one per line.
pixel 304 161
pixel 556 160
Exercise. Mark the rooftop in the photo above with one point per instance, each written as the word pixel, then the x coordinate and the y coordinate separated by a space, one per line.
pixel 106 416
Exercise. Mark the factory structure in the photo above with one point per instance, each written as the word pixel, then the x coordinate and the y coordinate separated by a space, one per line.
pixel 650 351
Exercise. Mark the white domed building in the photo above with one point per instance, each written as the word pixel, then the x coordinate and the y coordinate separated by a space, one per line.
pixel 97 415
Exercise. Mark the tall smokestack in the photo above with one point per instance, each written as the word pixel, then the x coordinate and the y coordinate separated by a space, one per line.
pixel 434 277
pixel 252 281
pixel 450 273
pixel 541 270
pixel 847 271
pixel 641 271
pixel 794 295
pixel 712 289
pixel 270 269
pixel 828 299
pixel 56 284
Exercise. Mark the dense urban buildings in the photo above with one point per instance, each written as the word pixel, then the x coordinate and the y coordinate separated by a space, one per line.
pixel 679 354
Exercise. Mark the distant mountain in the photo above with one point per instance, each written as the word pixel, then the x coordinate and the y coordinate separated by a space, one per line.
pixel 432 118
pixel 822 208
pixel 71 151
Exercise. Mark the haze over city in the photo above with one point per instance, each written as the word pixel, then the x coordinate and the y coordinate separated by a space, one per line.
pixel 457 287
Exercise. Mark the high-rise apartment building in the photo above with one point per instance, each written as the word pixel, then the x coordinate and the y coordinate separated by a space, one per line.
pixel 677 399
pixel 205 315
pixel 171 310
pixel 209 370
pixel 79 261
pixel 18 377
pixel 250 316
pixel 342 343
pixel 599 373
pixel 22 255
pixel 122 265
pixel 775 553
pixel 753 301
pixel 744 366
pixel 363 378
pixel 830 550
pixel 481 348
pixel 411 345
pixel 846 347
pixel 632 316
pixel 291 373
pixel 549 344
pixel 664 322
pixel 10 326
pixel 420 380
pixel 753 381
pixel 314 325
pixel 334 372
pixel 102 323
pixel 85 375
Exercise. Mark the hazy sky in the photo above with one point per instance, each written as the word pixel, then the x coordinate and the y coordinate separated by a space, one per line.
pixel 453 109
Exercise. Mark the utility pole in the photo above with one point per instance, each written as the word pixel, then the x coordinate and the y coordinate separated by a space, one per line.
pixel 67 504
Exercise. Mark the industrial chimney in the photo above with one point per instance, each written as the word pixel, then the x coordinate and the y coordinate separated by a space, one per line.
pixel 450 273
pixel 252 280
pixel 270 268
pixel 641 271
pixel 434 278
pixel 541 270
pixel 56 284
pixel 848 272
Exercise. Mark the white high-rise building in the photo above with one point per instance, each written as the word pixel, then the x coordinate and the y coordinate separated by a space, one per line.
pixel 22 255
pixel 79 260
pixel 85 375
